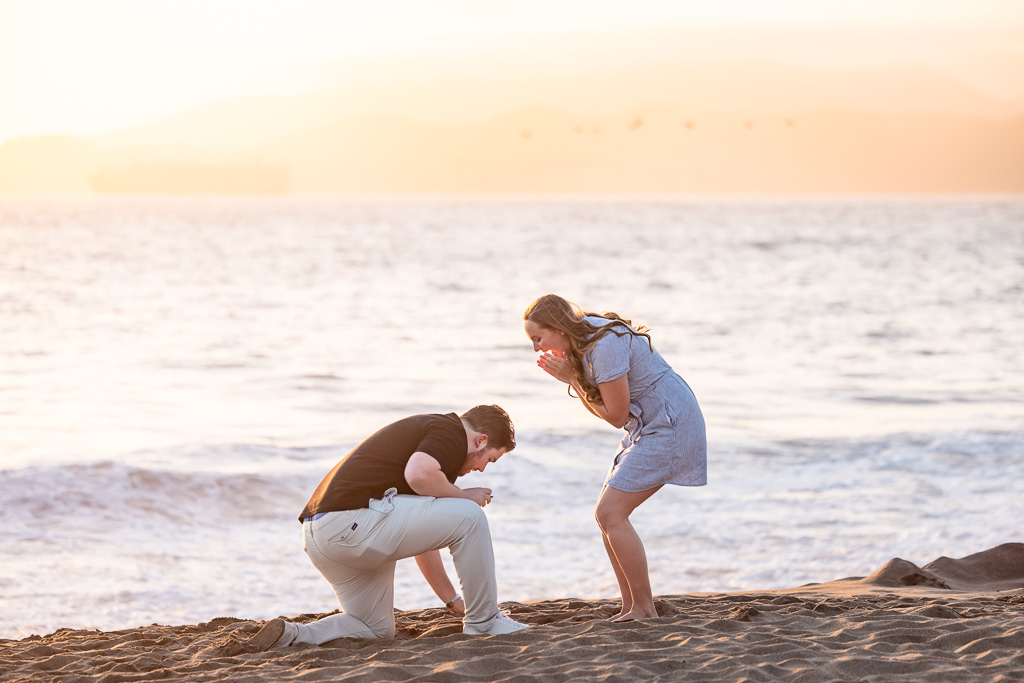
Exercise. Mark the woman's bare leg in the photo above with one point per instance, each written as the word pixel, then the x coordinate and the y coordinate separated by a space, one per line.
pixel 626 551
pixel 627 596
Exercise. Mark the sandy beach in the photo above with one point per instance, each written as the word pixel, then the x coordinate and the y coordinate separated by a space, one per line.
pixel 950 620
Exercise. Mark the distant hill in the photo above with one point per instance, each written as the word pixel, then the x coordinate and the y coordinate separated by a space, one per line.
pixel 663 150
pixel 48 164
pixel 191 178
pixel 680 130
pixel 745 89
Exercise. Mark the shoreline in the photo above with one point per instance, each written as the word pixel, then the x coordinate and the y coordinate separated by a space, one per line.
pixel 951 619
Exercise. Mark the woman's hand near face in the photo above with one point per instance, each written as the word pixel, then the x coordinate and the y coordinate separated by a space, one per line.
pixel 556 366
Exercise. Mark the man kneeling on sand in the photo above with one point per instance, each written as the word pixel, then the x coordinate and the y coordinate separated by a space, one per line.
pixel 392 497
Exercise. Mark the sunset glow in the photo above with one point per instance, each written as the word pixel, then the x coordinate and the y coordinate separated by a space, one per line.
pixel 170 71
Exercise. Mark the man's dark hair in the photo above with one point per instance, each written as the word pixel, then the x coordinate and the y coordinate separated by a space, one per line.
pixel 495 423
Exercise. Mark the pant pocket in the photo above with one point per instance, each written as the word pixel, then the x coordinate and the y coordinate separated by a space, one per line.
pixel 348 530
pixel 382 506
pixel 386 504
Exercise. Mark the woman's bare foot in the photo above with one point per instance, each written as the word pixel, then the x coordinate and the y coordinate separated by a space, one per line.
pixel 625 610
pixel 634 614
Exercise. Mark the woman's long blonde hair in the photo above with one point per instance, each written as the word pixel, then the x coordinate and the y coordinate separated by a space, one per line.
pixel 555 313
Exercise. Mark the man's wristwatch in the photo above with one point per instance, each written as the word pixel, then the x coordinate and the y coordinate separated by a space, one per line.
pixel 451 602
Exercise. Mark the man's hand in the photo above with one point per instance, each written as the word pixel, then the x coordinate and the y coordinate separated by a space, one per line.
pixel 459 607
pixel 479 496
pixel 433 571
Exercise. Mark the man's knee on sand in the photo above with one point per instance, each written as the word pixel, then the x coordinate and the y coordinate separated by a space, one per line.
pixel 344 625
pixel 381 622
pixel 384 630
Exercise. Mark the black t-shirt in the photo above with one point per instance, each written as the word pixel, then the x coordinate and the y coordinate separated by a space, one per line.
pixel 378 463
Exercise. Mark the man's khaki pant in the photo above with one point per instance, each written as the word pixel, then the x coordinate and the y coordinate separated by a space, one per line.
pixel 356 551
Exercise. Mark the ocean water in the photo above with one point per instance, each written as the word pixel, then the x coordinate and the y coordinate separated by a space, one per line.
pixel 178 375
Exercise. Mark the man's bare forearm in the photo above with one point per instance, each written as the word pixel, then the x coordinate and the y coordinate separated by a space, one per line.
pixel 434 484
pixel 432 568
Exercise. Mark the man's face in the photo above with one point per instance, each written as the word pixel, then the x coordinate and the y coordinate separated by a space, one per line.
pixel 478 460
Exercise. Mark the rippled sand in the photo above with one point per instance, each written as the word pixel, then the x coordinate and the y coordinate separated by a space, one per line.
pixel 953 619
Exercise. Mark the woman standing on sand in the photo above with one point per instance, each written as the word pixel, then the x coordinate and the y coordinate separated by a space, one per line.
pixel 620 378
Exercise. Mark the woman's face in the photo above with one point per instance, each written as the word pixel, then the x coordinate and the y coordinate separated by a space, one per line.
pixel 547 339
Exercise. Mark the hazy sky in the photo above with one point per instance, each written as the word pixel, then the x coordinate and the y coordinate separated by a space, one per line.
pixel 89 66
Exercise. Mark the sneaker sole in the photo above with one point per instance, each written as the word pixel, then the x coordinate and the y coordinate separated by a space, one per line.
pixel 267 636
pixel 475 632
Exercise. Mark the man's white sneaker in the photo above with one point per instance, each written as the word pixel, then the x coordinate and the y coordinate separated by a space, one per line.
pixel 499 624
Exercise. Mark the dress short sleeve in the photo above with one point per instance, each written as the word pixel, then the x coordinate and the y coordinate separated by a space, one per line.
pixel 609 357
